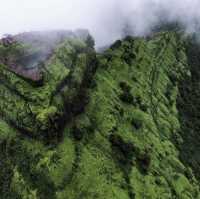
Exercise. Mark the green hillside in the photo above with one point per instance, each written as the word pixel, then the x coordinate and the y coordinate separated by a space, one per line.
pixel 122 124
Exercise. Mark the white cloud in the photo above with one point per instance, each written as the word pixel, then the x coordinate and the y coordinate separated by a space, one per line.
pixel 104 18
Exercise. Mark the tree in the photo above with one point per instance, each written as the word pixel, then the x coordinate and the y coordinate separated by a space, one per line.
pixel 11 51
pixel 90 41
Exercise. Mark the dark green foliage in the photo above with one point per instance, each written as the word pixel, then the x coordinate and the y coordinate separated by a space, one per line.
pixel 126 96
pixel 126 154
pixel 129 38
pixel 144 161
pixel 122 151
pixel 125 87
pixel 77 134
pixel 137 124
pixel 90 41
pixel 117 44
pixel 189 109
pixel 129 55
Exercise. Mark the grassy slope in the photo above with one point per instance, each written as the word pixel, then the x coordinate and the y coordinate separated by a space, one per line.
pixel 121 145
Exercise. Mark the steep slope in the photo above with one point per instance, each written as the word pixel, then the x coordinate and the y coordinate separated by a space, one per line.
pixel 34 109
pixel 123 133
pixel 189 109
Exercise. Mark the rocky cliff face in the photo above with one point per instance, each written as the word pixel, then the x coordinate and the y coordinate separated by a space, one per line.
pixel 109 125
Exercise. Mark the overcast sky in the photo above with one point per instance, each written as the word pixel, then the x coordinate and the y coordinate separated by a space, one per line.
pixel 105 19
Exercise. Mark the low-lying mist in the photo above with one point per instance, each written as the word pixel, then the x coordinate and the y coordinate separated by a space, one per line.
pixel 107 20
pixel 39 45
pixel 26 53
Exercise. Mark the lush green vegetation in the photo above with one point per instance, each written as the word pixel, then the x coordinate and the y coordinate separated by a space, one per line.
pixel 189 108
pixel 35 109
pixel 102 126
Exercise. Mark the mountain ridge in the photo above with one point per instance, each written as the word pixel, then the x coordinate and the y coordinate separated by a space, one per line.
pixel 122 131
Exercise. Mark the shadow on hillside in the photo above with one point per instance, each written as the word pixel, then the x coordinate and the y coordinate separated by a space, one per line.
pixel 188 105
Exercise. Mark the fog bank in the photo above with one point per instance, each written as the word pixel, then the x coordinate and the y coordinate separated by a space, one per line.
pixel 107 20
